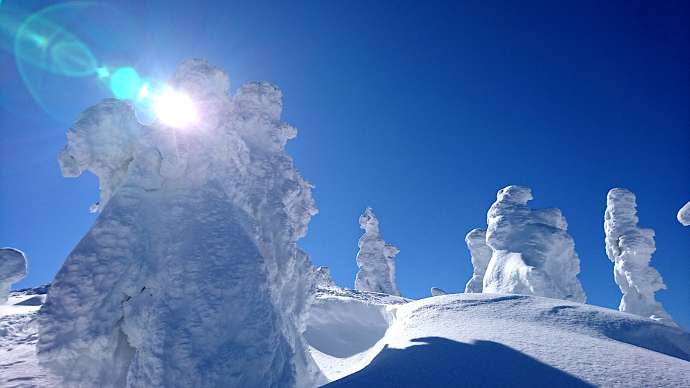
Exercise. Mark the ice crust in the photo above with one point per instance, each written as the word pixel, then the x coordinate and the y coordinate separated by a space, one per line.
pixel 191 276
pixel 12 270
pixel 630 248
pixel 375 259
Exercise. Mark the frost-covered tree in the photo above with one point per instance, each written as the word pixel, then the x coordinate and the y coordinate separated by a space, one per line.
pixel 12 270
pixel 481 254
pixel 375 259
pixel 630 248
pixel 190 276
pixel 323 277
pixel 684 214
pixel 532 252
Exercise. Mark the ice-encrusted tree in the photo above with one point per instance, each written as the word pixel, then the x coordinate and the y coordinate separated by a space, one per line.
pixel 323 277
pixel 630 248
pixel 684 214
pixel 190 276
pixel 375 259
pixel 481 255
pixel 12 270
pixel 532 252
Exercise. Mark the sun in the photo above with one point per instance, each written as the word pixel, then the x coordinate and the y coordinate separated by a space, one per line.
pixel 175 109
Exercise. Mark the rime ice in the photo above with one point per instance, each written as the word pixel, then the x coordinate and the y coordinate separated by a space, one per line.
pixel 684 214
pixel 375 259
pixel 191 276
pixel 12 270
pixel 630 248
pixel 481 254
pixel 533 253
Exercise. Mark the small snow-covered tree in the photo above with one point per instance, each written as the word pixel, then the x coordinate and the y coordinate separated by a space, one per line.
pixel 323 277
pixel 532 252
pixel 12 270
pixel 375 259
pixel 630 248
pixel 481 254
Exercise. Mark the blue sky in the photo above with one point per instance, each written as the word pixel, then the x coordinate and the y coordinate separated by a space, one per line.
pixel 422 110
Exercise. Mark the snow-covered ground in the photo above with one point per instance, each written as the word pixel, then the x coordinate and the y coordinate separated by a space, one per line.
pixel 364 339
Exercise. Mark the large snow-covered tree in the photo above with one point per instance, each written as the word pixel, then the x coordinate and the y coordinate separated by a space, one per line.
pixel 190 276
pixel 12 270
pixel 375 259
pixel 532 252
pixel 630 248
pixel 481 255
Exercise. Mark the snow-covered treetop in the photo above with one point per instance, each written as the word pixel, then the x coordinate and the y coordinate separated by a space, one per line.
pixel 375 259
pixel 369 222
pixel 12 269
pixel 684 214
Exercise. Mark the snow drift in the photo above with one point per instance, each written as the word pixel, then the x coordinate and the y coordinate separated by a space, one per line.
pixel 191 276
pixel 12 270
pixel 630 248
pixel 532 252
pixel 375 259
pixel 481 255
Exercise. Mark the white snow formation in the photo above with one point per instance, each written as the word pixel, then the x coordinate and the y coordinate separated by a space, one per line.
pixel 323 277
pixel 630 248
pixel 481 255
pixel 375 259
pixel 684 214
pixel 12 270
pixel 190 276
pixel 435 291
pixel 533 254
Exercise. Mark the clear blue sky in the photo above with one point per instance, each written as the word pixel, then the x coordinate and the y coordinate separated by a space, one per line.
pixel 422 110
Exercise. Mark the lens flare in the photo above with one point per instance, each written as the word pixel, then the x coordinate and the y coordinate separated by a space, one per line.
pixel 125 83
pixel 175 109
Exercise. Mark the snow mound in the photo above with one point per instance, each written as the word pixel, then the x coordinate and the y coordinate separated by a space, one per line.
pixel 190 276
pixel 375 259
pixel 481 255
pixel 630 248
pixel 533 253
pixel 12 270
pixel 684 214
pixel 482 340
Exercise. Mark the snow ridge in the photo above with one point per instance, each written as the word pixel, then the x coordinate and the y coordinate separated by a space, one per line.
pixel 533 254
pixel 375 259
pixel 630 248
pixel 191 275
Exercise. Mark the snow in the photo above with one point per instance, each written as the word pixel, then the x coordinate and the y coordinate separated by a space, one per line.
pixel 323 277
pixel 191 275
pixel 435 291
pixel 532 252
pixel 481 255
pixel 473 340
pixel 684 214
pixel 375 259
pixel 12 270
pixel 630 248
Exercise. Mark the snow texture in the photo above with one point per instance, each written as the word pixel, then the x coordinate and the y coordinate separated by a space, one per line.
pixel 190 276
pixel 375 259
pixel 684 214
pixel 481 255
pixel 435 291
pixel 12 270
pixel 323 277
pixel 533 254
pixel 630 248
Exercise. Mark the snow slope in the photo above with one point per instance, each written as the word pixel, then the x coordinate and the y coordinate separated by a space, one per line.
pixel 474 340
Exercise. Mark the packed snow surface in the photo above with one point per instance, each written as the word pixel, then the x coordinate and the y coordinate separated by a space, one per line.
pixel 12 270
pixel 375 259
pixel 630 248
pixel 532 252
pixel 684 214
pixel 481 255
pixel 485 340
pixel 191 276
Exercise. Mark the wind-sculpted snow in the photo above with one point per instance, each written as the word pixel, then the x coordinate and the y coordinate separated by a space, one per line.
pixel 684 214
pixel 481 255
pixel 630 248
pixel 533 253
pixel 12 270
pixel 191 276
pixel 375 259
